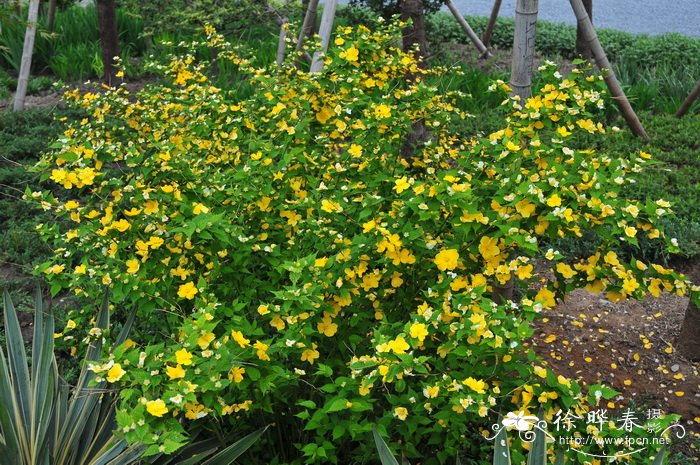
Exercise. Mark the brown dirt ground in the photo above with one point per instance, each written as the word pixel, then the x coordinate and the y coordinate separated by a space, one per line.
pixel 627 345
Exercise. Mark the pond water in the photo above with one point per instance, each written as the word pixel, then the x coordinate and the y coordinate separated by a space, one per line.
pixel 638 16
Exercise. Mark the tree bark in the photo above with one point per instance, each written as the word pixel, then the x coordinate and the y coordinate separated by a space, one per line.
pixel 414 34
pixel 486 36
pixel 688 102
pixel 583 48
pixel 51 15
pixel 468 30
pixel 109 38
pixel 601 60
pixel 523 48
pixel 309 25
pixel 27 51
pixel 688 342
pixel 325 31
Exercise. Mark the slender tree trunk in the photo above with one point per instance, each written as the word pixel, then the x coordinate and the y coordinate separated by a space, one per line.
pixel 523 47
pixel 486 37
pixel 601 60
pixel 688 102
pixel 688 342
pixel 282 41
pixel 583 48
pixel 312 26
pixel 27 51
pixel 468 30
pixel 109 37
pixel 308 26
pixel 51 15
pixel 325 31
pixel 18 8
pixel 415 33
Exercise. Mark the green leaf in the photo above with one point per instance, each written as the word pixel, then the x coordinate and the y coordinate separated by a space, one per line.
pixel 337 405
pixel 538 450
pixel 307 403
pixel 235 450
pixel 659 460
pixel 385 455
pixel 501 451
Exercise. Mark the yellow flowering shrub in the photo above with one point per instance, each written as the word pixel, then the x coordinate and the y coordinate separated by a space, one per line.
pixel 288 265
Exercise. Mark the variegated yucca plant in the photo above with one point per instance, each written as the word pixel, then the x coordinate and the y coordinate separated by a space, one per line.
pixel 45 422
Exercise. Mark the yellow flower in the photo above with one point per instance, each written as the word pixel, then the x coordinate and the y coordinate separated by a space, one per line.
pixel 546 297
pixel 261 350
pixel 330 206
pixel 401 185
pixel 525 208
pixel 401 413
pixel 309 355
pixel 488 248
pixel 156 407
pixel 154 242
pixel 554 200
pixel 355 150
pixel 204 340
pixel 183 357
pixel 352 54
pixel 323 115
pixel 418 331
pixel 431 392
pixel 132 266
pixel 447 259
pixel 478 386
pixel 562 131
pixel 187 291
pixel 327 327
pixel 150 207
pixel 382 111
pixel 398 345
pixel 512 147
pixel 200 208
pixel 565 270
pixel 115 373
pixel 236 374
pixel 238 337
pixel 175 372
pixel 263 309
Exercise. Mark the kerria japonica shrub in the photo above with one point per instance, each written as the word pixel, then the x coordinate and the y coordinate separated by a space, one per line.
pixel 290 266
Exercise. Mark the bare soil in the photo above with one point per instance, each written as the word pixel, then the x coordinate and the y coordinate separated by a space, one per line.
pixel 627 345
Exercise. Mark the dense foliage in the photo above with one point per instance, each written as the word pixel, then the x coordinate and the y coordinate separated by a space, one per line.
pixel 301 255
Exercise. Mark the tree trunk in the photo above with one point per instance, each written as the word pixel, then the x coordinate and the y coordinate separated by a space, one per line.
pixel 282 41
pixel 27 51
pixel 468 30
pixel 583 48
pixel 415 33
pixel 109 38
pixel 688 342
pixel 601 60
pixel 51 15
pixel 325 31
pixel 688 102
pixel 486 37
pixel 309 25
pixel 523 47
